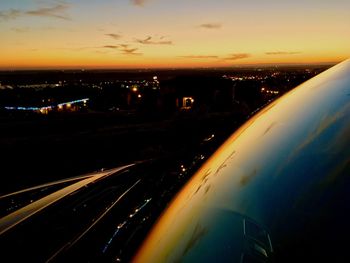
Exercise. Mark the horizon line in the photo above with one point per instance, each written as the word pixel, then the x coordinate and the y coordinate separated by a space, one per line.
pixel 92 68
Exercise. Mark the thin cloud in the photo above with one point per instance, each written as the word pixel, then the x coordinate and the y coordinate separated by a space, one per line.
pixel 114 36
pixel 237 56
pixel 10 14
pixel 138 2
pixel 211 26
pixel 56 11
pixel 149 41
pixel 124 49
pixel 131 51
pixel 111 46
pixel 198 56
pixel 282 53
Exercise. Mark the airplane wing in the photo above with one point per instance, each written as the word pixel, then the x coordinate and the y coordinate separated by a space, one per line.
pixel 102 216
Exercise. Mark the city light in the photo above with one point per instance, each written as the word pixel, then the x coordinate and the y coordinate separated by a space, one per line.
pixel 264 90
pixel 46 109
pixel 187 102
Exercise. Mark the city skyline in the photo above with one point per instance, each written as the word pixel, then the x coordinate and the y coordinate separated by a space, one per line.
pixel 171 34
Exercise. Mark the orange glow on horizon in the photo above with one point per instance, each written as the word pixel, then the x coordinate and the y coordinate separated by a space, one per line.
pixel 30 62
pixel 215 34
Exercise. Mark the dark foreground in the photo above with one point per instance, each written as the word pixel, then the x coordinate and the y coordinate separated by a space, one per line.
pixel 106 218
pixel 44 148
pixel 102 216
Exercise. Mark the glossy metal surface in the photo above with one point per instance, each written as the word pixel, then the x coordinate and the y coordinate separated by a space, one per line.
pixel 71 221
pixel 286 171
pixel 11 220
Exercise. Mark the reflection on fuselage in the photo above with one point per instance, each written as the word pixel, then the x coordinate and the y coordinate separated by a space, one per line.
pixel 287 169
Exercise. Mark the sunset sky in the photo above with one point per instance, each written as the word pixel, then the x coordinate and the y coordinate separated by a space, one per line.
pixel 171 33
